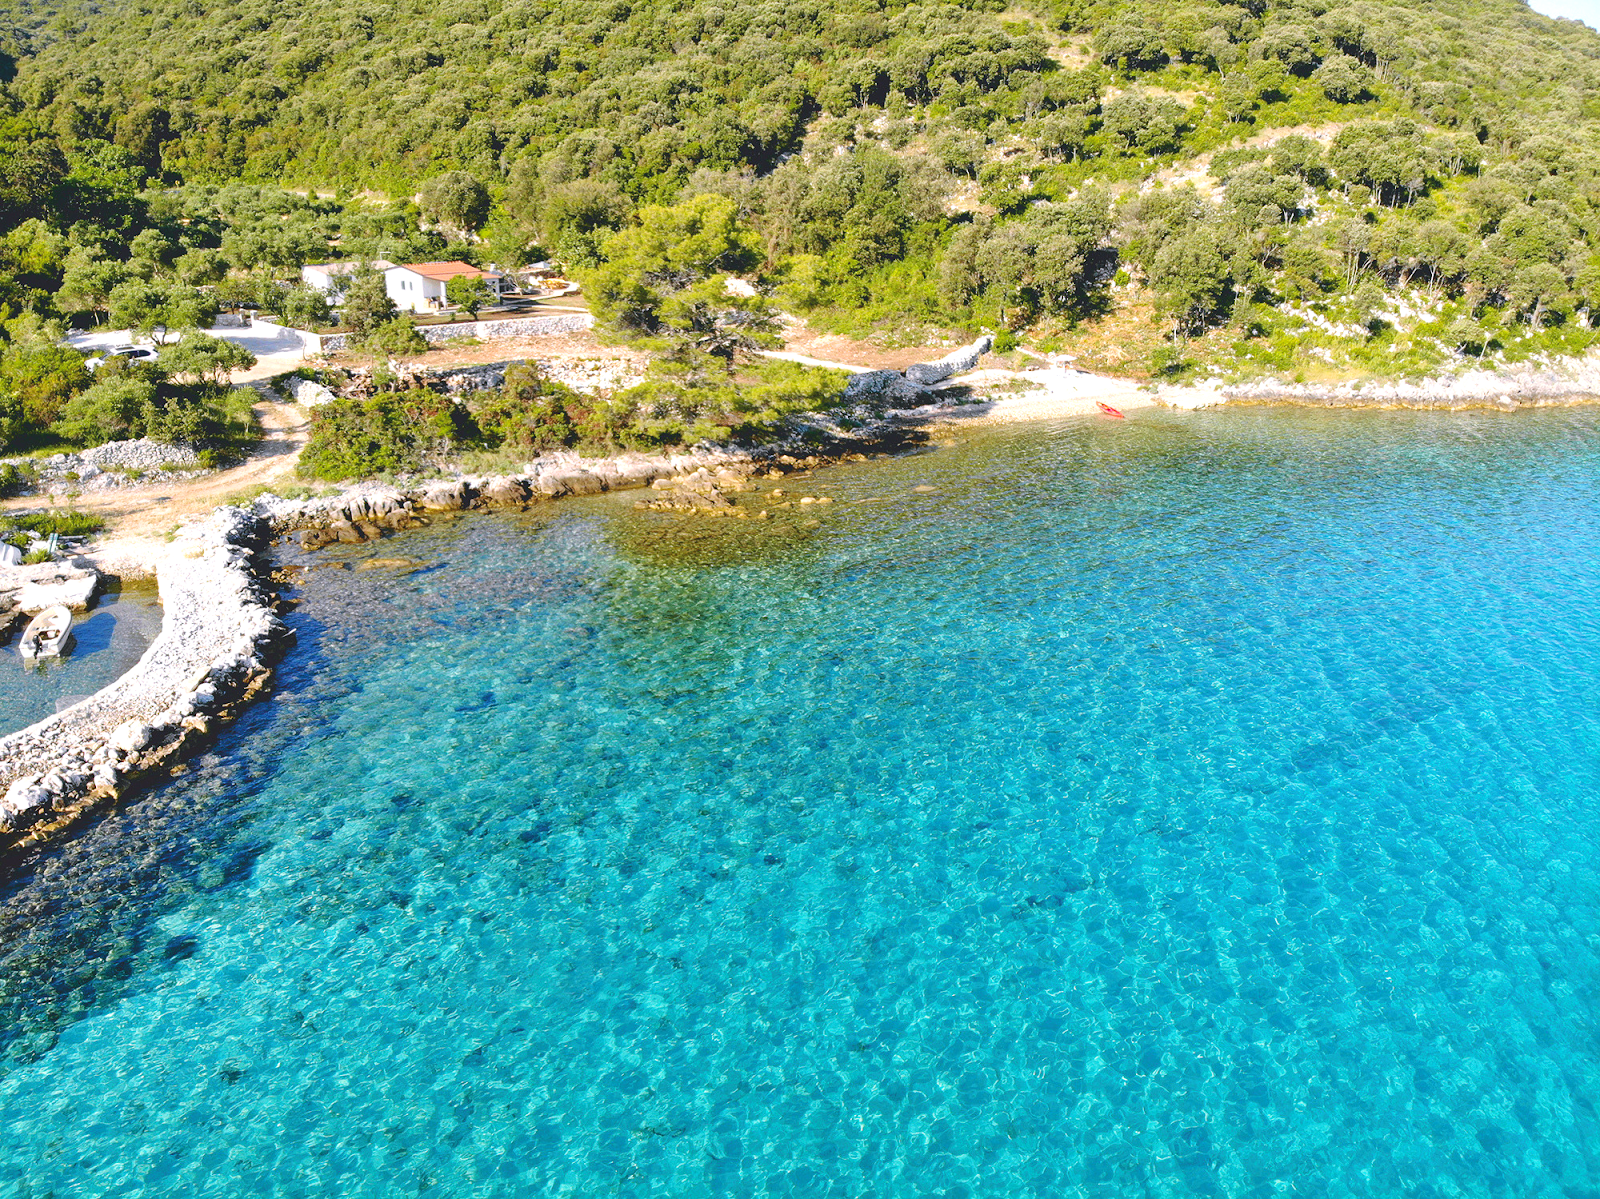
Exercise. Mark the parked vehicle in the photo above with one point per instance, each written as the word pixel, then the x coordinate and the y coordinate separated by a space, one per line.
pixel 130 353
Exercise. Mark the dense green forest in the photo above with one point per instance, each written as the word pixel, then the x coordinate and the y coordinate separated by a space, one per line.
pixel 1297 186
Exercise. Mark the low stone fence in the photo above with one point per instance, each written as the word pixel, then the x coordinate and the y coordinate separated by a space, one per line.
pixel 218 636
pixel 487 330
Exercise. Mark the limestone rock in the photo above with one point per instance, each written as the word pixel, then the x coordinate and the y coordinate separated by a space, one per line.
pixel 571 482
pixel 503 491
pixel 308 392
pixel 446 497
pixel 131 736
pixel 76 592
pixel 887 389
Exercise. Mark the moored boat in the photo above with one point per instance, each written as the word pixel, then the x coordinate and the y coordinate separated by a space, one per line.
pixel 47 633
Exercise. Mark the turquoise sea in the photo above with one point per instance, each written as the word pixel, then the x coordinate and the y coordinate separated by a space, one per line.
pixel 1201 805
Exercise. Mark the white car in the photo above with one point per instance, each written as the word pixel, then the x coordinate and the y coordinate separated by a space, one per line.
pixel 131 353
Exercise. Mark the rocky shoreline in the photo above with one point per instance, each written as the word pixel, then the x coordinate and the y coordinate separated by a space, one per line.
pixel 219 637
pixel 1554 382
pixel 221 633
pixel 697 481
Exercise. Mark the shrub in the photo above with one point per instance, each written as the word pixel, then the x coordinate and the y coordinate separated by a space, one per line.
pixel 111 410
pixel 43 380
pixel 533 413
pixel 685 399
pixel 1167 361
pixel 13 479
pixel 390 433
pixel 219 421
pixel 67 524
pixel 395 337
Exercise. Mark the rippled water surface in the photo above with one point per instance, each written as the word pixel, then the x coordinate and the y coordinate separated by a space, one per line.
pixel 1199 805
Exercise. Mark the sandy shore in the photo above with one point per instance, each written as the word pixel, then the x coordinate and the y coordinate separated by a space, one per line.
pixel 1050 393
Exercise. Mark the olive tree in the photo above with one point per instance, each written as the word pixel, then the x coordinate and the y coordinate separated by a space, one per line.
pixel 456 202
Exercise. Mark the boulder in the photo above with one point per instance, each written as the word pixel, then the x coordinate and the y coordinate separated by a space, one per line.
pixel 567 481
pixel 308 393
pixel 381 503
pixel 888 389
pixel 10 555
pixel 503 491
pixel 583 482
pixel 131 736
pixel 636 474
pixel 445 497
pixel 346 532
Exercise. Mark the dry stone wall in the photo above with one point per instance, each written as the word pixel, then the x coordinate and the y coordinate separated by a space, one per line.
pixel 533 326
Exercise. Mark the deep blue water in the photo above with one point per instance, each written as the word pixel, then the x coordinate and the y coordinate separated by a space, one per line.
pixel 1206 804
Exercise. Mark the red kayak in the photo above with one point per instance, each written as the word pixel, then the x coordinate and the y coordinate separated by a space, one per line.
pixel 1109 410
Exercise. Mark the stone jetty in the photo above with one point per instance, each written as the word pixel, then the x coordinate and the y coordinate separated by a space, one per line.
pixel 218 638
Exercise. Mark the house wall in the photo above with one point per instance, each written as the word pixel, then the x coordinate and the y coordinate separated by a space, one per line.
pixel 411 291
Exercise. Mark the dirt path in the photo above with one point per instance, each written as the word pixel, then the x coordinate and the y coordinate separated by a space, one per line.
pixel 138 519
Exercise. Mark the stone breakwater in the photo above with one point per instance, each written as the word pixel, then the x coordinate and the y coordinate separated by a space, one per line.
pixel 217 641
pixel 958 362
pixel 590 376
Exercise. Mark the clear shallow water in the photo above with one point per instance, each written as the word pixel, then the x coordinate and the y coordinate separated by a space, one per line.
pixel 1202 805
pixel 107 641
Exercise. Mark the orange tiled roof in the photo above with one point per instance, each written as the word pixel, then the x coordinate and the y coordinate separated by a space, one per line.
pixel 445 270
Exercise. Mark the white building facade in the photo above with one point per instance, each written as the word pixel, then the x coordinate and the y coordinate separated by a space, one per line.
pixel 420 286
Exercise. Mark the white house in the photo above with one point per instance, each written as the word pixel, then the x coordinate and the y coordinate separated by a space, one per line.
pixel 332 276
pixel 419 286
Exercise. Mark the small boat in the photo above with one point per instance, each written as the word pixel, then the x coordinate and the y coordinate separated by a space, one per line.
pixel 47 633
pixel 1108 409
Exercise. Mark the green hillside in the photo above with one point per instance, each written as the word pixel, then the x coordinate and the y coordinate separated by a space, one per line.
pixel 1298 187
